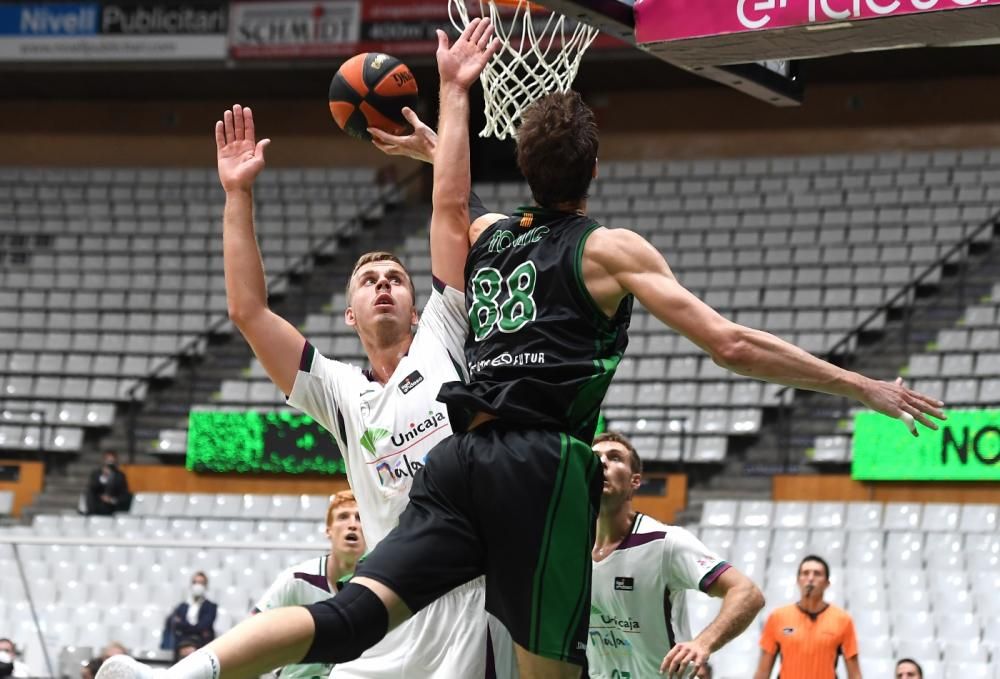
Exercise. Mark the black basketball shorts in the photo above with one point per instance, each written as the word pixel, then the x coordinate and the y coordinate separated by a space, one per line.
pixel 517 505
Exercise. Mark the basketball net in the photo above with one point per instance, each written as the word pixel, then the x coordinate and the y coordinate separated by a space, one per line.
pixel 534 58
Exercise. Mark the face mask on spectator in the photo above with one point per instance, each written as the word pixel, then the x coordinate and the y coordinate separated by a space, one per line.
pixel 197 589
pixel 6 664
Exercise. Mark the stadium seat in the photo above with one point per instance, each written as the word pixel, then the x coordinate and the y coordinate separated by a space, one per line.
pixel 952 601
pixel 719 540
pixel 227 505
pixel 826 541
pixel 864 548
pixel 255 506
pixel 957 627
pixel 719 513
pixel 826 514
pixel 904 549
pixel 901 516
pixel 863 516
pixel 978 518
pixel 967 670
pixel 912 626
pixel 754 514
pixel 790 514
pixel 833 448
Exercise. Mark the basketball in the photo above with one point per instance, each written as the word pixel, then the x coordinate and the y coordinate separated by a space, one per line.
pixel 370 90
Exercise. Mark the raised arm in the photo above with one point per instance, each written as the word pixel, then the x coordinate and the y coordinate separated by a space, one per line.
pixel 617 262
pixel 459 65
pixel 275 341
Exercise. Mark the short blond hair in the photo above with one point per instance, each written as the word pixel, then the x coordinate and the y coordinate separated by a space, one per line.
pixel 378 256
pixel 344 497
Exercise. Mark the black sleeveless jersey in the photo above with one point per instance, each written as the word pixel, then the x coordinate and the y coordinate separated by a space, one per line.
pixel 539 351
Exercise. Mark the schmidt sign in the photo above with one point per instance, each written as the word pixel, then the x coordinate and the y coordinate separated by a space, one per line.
pixel 965 448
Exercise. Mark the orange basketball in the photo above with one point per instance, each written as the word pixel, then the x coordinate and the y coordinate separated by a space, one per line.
pixel 370 90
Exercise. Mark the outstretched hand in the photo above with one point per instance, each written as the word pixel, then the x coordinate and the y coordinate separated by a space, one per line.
pixel 240 157
pixel 898 401
pixel 461 63
pixel 419 144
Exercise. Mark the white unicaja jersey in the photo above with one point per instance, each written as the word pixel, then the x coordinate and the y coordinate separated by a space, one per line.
pixel 304 583
pixel 637 604
pixel 385 432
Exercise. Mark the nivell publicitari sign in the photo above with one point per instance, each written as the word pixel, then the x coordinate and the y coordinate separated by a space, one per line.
pixel 162 30
pixel 965 448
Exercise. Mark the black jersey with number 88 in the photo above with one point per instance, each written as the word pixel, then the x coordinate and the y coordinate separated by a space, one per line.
pixel 540 351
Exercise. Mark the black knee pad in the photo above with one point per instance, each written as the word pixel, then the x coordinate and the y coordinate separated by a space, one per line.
pixel 346 625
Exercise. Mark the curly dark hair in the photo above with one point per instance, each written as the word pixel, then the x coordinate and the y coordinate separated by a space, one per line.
pixel 557 148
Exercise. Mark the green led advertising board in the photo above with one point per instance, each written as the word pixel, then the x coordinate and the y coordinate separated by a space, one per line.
pixel 283 442
pixel 965 448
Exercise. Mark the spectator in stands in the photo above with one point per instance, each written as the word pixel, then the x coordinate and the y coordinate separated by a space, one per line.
pixel 107 491
pixel 89 669
pixel 811 633
pixel 10 666
pixel 194 618
pixel 907 668
pixel 642 569
pixel 113 648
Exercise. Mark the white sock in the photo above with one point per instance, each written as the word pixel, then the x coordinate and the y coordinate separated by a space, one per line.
pixel 202 664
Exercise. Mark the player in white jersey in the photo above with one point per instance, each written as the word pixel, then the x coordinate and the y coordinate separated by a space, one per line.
pixel 385 418
pixel 316 579
pixel 638 620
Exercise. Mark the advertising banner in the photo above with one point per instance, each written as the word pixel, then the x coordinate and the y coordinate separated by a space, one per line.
pixel 113 31
pixel 658 20
pixel 965 448
pixel 282 442
pixel 294 29
pixel 342 28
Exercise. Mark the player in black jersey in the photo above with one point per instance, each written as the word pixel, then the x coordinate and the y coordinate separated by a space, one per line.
pixel 549 294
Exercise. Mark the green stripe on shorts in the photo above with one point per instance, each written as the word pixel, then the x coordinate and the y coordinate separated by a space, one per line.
pixel 562 576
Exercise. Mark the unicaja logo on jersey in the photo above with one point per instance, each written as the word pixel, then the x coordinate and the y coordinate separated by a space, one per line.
pixel 433 421
pixel 371 438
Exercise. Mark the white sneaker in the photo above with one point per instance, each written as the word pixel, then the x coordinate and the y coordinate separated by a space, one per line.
pixel 124 667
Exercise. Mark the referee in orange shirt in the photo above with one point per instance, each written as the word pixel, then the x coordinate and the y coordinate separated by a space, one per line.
pixel 809 634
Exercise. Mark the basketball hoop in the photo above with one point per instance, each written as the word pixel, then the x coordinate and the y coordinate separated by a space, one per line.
pixel 538 55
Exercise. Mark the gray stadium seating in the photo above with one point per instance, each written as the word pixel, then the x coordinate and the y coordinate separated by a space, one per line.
pixel 105 273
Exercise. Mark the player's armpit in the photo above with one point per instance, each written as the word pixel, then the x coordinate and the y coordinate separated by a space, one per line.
pixel 481 224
